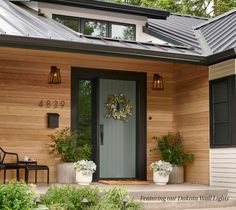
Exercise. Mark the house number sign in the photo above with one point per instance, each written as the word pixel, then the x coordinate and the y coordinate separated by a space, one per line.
pixel 56 104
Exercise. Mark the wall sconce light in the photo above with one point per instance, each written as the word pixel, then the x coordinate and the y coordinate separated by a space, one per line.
pixel 55 76
pixel 158 83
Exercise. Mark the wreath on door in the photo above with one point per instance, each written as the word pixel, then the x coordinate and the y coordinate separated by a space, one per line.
pixel 119 107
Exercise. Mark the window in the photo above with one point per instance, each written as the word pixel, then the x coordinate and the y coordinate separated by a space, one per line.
pixel 222 100
pixel 98 27
pixel 94 28
pixel 124 32
pixel 70 22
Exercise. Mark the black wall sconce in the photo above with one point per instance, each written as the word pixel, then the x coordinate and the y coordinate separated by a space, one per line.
pixel 55 76
pixel 158 83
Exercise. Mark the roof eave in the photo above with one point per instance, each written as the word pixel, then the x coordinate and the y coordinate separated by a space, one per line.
pixel 221 56
pixel 112 7
pixel 88 48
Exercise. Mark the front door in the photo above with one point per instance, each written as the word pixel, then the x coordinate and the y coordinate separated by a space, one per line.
pixel 118 138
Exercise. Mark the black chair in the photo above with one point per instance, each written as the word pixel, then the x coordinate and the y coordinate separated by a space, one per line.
pixel 9 166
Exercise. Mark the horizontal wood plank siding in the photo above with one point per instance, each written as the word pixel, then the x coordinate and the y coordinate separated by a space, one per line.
pixel 191 118
pixel 223 169
pixel 222 69
pixel 23 83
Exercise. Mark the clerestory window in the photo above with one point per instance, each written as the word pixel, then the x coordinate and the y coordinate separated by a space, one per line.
pixel 99 28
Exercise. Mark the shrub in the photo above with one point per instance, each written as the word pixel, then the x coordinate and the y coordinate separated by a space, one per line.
pixel 70 197
pixel 64 145
pixel 172 150
pixel 118 198
pixel 16 196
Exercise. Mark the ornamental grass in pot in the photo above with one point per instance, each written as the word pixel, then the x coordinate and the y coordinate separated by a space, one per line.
pixel 171 150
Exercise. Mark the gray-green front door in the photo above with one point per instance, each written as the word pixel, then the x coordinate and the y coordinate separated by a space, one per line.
pixel 117 139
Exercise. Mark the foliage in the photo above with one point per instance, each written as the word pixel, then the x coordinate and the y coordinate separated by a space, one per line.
pixel 16 196
pixel 70 197
pixel 118 107
pixel 63 145
pixel 172 150
pixel 117 198
pixel 85 113
pixel 85 166
pixel 163 168
pixel 203 8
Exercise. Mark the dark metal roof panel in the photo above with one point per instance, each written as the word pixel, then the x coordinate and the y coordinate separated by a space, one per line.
pixel 16 21
pixel 220 32
pixel 112 7
pixel 178 28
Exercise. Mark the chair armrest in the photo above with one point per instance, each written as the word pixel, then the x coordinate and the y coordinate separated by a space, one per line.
pixel 11 153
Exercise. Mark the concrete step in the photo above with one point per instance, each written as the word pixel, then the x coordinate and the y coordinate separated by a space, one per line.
pixel 197 205
pixel 181 197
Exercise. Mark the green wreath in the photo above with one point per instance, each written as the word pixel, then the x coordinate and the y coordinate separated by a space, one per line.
pixel 118 107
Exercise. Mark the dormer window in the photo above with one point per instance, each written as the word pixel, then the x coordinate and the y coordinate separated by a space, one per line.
pixel 98 27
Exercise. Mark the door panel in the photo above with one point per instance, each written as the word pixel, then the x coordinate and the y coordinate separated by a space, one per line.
pixel 117 138
pixel 123 154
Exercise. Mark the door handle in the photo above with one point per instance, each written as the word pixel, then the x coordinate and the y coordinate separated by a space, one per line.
pixel 101 134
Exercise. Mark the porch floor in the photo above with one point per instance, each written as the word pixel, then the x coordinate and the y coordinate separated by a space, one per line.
pixel 42 188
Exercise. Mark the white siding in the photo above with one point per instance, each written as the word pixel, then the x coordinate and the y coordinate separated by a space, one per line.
pixel 223 169
pixel 138 21
pixel 222 69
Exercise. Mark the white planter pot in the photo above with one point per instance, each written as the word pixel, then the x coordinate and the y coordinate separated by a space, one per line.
pixel 159 179
pixel 65 173
pixel 83 179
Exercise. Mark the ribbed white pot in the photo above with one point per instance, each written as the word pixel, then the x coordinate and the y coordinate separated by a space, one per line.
pixel 159 179
pixel 83 179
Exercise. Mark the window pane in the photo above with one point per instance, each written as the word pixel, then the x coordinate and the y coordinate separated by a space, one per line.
pixel 70 22
pixel 85 111
pixel 122 32
pixel 95 28
pixel 221 113
pixel 221 134
pixel 220 91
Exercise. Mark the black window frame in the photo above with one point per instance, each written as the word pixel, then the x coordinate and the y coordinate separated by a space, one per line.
pixel 231 91
pixel 82 20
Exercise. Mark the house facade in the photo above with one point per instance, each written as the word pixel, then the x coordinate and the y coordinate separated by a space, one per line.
pixel 109 49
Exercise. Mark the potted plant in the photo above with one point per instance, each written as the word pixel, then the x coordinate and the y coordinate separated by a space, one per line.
pixel 161 172
pixel 64 144
pixel 84 171
pixel 172 150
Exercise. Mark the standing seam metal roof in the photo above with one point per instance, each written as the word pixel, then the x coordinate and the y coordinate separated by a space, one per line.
pixel 178 28
pixel 220 32
pixel 21 27
pixel 22 22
